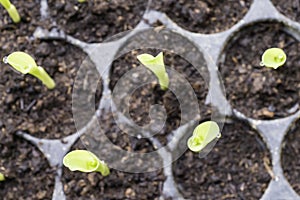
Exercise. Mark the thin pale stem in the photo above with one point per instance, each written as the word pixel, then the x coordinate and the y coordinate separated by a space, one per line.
pixel 41 74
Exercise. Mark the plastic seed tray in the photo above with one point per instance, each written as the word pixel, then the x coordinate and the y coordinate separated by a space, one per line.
pixel 211 47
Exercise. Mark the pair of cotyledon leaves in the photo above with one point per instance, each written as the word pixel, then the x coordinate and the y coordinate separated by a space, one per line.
pixel 85 161
pixel 273 58
pixel 24 63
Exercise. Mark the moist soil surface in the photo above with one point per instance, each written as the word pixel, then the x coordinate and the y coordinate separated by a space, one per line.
pixel 257 91
pixel 95 21
pixel 289 8
pixel 121 137
pixel 289 155
pixel 146 95
pixel 117 185
pixel 28 105
pixel 208 16
pixel 29 12
pixel 24 168
pixel 234 169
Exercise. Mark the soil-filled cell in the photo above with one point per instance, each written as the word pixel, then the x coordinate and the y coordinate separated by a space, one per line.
pixel 204 16
pixel 289 156
pixel 289 8
pixel 234 169
pixel 95 21
pixel 26 170
pixel 28 104
pixel 146 94
pixel 29 13
pixel 258 91
pixel 117 185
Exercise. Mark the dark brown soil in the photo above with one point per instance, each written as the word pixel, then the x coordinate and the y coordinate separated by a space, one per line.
pixel 290 153
pixel 234 169
pixel 29 13
pixel 122 139
pixel 261 92
pixel 206 16
pixel 25 168
pixel 95 21
pixel 117 185
pixel 289 8
pixel 146 95
pixel 29 105
pixel 22 164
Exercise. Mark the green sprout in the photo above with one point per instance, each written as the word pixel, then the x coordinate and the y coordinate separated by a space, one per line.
pixel 81 1
pixel 11 9
pixel 85 161
pixel 2 178
pixel 203 134
pixel 273 58
pixel 25 64
pixel 157 66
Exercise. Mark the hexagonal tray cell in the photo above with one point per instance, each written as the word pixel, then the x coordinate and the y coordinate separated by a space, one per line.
pixel 117 185
pixel 289 156
pixel 256 91
pixel 27 104
pixel 289 8
pixel 95 21
pixel 208 16
pixel 234 169
pixel 27 173
pixel 146 94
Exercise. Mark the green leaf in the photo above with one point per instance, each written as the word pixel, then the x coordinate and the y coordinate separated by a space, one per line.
pixel 157 66
pixel 203 134
pixel 20 61
pixel 2 178
pixel 273 58
pixel 25 64
pixel 85 161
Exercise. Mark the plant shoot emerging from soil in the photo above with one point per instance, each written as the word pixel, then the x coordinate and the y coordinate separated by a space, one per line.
pixel 273 58
pixel 157 66
pixel 203 134
pixel 25 64
pixel 2 178
pixel 85 161
pixel 11 9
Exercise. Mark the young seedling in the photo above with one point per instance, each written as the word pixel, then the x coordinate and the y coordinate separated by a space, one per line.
pixel 2 178
pixel 85 161
pixel 273 58
pixel 203 135
pixel 157 66
pixel 11 9
pixel 25 64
